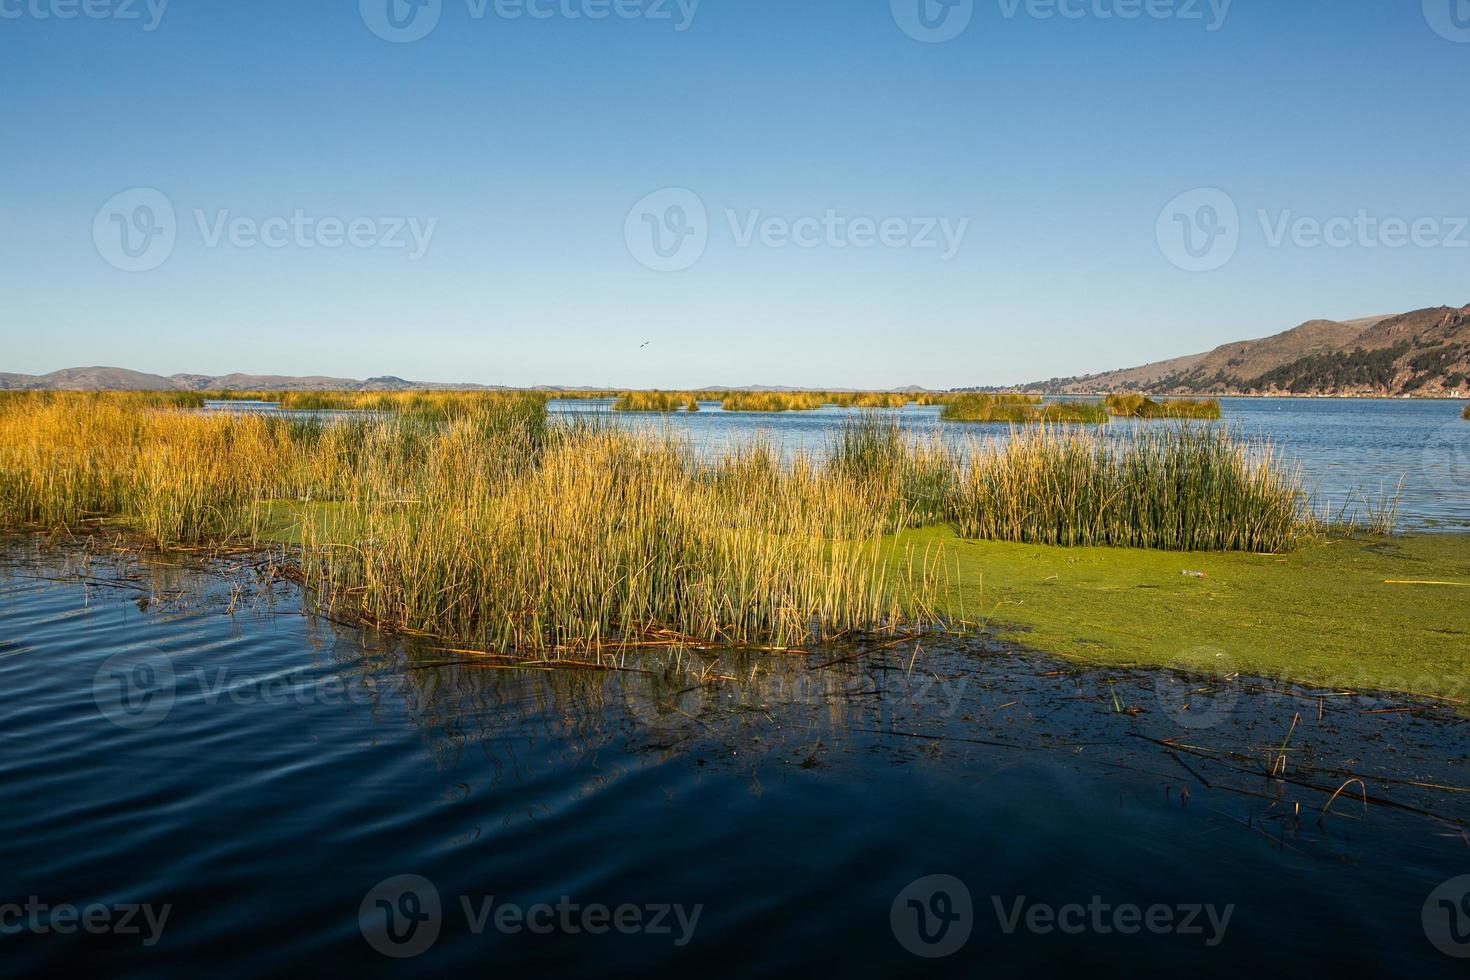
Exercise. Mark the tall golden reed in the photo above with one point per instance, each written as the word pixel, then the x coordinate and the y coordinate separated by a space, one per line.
pixel 471 518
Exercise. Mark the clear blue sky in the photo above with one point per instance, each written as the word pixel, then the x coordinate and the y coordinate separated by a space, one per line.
pixel 1059 139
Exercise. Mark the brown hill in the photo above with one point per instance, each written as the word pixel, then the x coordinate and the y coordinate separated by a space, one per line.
pixel 1424 353
pixel 89 379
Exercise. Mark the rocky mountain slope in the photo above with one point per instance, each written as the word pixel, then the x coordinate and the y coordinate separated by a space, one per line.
pixel 1425 353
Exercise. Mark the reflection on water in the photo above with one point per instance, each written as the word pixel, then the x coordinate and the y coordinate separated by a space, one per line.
pixel 192 739
pixel 1346 447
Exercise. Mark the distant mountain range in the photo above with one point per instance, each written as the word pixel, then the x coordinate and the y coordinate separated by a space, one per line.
pixel 1424 354
pixel 121 379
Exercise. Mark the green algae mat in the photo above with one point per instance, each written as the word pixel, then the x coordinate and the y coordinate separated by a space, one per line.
pixel 1361 614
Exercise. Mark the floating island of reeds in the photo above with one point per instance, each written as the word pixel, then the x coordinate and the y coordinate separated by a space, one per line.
pixel 1136 406
pixel 1020 410
pixel 763 401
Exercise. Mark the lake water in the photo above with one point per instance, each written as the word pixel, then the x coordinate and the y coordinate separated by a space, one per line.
pixel 270 794
pixel 1346 447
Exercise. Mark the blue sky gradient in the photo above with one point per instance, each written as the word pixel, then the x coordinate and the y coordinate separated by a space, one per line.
pixel 527 141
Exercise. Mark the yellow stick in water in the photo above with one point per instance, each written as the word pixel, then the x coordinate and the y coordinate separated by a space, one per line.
pixel 1463 585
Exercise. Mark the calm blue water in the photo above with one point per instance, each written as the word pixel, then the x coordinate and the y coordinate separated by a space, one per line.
pixel 217 784
pixel 1347 448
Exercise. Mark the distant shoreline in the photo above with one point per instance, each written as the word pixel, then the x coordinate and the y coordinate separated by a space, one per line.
pixel 613 392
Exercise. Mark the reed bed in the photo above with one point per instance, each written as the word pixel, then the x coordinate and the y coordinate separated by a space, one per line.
pixel 483 527
pixel 184 477
pixel 656 401
pixel 471 517
pixel 985 407
pixel 1193 487
pixel 578 394
pixel 1073 413
pixel 138 399
pixel 1137 406
pixel 613 536
pixel 868 399
pixel 759 401
pixel 1187 488
pixel 773 401
pixel 430 405
pixel 918 477
pixel 1021 410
